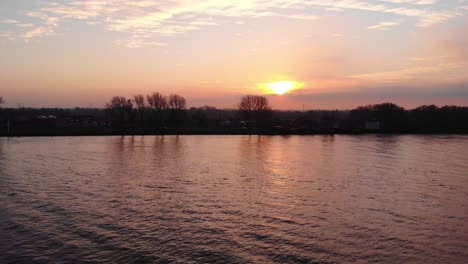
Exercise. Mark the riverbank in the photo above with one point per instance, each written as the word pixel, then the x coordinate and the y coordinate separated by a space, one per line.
pixel 99 131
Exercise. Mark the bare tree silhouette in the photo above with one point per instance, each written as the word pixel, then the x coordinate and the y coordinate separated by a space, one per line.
pixel 140 104
pixel 254 103
pixel 177 102
pixel 157 101
pixel 255 107
pixel 158 104
pixel 177 105
pixel 119 106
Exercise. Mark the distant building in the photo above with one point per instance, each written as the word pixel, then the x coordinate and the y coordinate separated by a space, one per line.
pixel 226 123
pixel 43 121
pixel 372 125
pixel 80 120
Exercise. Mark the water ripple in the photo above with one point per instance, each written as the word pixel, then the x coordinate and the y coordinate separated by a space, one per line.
pixel 234 199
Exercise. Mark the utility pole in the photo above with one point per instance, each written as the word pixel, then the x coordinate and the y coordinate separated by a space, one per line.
pixel 8 123
pixel 8 127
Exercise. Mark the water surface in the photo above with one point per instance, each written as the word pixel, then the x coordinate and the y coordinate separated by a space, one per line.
pixel 234 199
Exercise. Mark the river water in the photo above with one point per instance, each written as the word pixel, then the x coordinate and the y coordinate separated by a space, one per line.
pixel 234 199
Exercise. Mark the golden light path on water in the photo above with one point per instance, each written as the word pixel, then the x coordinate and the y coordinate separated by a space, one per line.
pixel 234 199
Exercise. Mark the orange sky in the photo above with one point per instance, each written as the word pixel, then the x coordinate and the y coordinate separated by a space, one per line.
pixel 344 53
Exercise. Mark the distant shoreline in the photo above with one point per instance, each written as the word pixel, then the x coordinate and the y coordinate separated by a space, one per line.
pixel 385 118
pixel 202 132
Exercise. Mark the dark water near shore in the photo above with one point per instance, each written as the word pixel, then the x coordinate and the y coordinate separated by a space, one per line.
pixel 234 199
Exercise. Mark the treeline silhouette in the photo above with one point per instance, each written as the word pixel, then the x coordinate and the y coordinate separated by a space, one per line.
pixel 423 119
pixel 160 114
pixel 156 110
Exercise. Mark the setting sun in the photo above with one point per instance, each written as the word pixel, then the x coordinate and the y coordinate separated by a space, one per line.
pixel 281 88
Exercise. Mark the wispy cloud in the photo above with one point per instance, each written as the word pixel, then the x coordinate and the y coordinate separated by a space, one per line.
pixel 414 2
pixel 447 67
pixel 383 25
pixel 147 20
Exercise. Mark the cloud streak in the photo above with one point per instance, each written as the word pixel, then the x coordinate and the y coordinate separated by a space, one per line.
pixel 146 21
pixel 383 25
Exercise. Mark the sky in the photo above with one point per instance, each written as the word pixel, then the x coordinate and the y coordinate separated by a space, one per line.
pixel 338 54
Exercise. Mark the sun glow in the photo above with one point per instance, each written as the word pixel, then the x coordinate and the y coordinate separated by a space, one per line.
pixel 281 87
